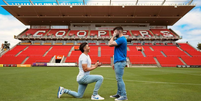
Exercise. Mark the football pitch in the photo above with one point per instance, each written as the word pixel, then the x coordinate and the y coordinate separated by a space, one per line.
pixel 142 84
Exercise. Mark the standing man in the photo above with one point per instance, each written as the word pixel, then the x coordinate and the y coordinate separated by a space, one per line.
pixel 84 78
pixel 120 53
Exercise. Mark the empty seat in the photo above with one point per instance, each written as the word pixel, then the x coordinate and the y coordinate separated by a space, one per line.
pixel 32 32
pixel 141 60
pixel 12 59
pixel 189 49
pixel 81 33
pixel 149 53
pixel 170 61
pixel 38 59
pixel 167 56
pixel 59 32
pixel 143 33
pixel 195 60
pixel 74 56
pixel 163 32
pixel 100 33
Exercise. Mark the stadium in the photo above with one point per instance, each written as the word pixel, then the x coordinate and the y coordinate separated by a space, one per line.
pixel 58 28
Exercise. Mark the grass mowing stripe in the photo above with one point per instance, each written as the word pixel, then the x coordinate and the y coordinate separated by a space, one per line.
pixel 41 84
pixel 179 70
pixel 157 82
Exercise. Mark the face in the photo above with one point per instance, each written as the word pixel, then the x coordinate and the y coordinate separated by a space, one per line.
pixel 87 48
pixel 117 33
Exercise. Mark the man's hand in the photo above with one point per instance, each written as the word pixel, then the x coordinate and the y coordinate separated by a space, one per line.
pixel 112 43
pixel 113 66
pixel 114 34
pixel 98 64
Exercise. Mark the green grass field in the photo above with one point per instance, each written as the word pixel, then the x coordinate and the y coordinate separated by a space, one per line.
pixel 142 84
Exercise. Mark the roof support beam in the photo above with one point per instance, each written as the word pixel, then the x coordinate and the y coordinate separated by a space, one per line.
pixel 5 2
pixel 136 2
pixel 57 2
pixel 110 2
pixel 190 2
pixel 163 2
pixel 83 2
pixel 31 2
pixel 98 17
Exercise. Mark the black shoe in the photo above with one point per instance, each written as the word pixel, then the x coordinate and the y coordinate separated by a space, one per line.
pixel 114 96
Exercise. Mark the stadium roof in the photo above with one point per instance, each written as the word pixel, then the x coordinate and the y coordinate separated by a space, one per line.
pixel 66 14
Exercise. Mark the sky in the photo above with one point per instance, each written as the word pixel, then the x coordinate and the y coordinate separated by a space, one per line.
pixel 189 26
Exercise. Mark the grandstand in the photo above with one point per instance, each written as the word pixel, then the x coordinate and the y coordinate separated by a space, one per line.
pixel 58 32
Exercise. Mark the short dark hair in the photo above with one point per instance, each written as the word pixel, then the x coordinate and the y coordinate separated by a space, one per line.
pixel 82 45
pixel 118 28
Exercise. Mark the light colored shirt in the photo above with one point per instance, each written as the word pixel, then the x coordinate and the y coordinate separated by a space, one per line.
pixel 83 59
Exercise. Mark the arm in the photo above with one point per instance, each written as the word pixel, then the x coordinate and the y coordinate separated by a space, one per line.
pixel 86 69
pixel 112 43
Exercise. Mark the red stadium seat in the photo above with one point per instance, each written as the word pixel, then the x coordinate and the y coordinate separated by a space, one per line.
pixel 141 60
pixel 195 60
pixel 100 33
pixel 83 33
pixel 59 32
pixel 143 33
pixel 31 32
pixel 189 49
pixel 170 61
pixel 163 32
pixel 167 55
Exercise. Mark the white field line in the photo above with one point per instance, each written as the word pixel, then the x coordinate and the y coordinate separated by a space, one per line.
pixel 157 82
pixel 175 72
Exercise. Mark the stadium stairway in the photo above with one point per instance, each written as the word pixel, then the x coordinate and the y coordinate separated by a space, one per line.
pixel 182 61
pixel 157 62
pixel 47 51
pixel 25 60
pixel 22 51
pixel 9 57
pixel 194 57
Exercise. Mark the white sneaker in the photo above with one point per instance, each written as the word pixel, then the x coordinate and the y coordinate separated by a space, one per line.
pixel 60 92
pixel 121 98
pixel 97 97
pixel 114 96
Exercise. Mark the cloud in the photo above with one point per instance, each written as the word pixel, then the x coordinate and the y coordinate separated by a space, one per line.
pixel 197 2
pixel 189 27
pixel 10 26
pixel 195 32
pixel 191 19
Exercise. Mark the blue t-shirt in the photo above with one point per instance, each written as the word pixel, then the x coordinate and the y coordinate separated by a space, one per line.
pixel 120 51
